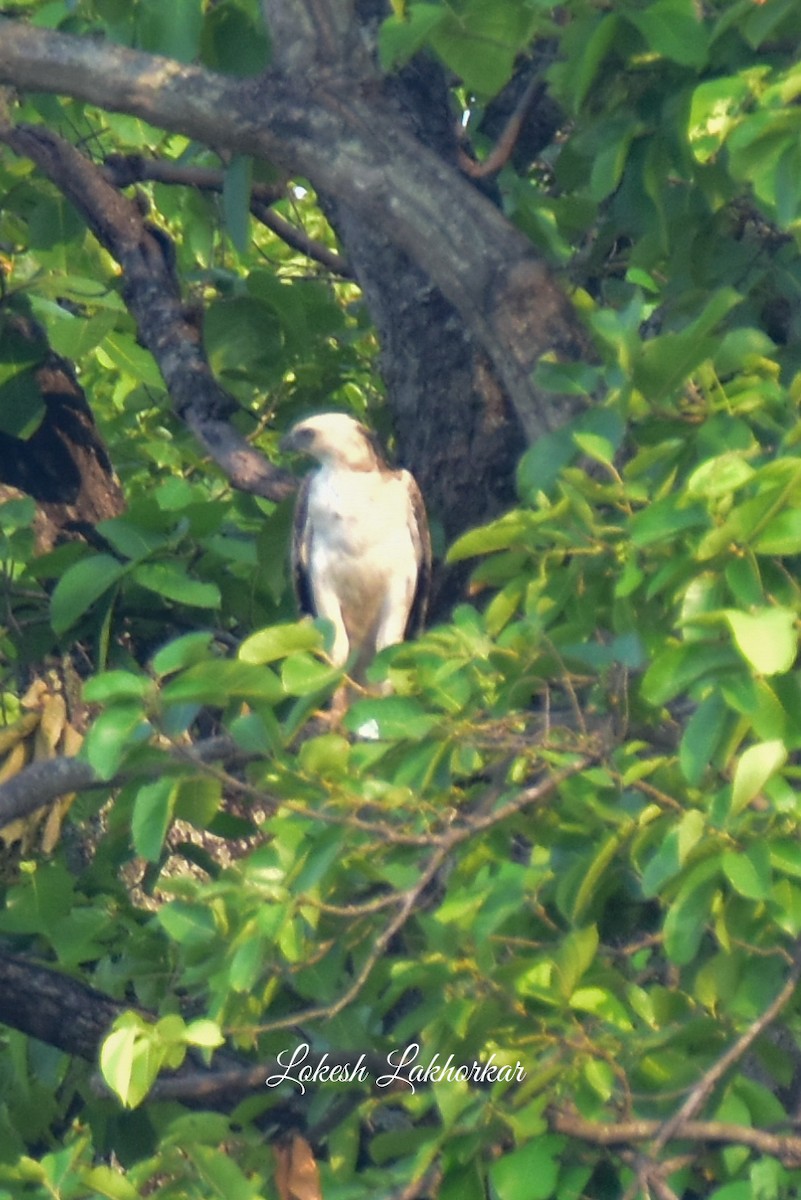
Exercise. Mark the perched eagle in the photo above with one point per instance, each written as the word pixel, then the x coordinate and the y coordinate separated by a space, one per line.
pixel 361 553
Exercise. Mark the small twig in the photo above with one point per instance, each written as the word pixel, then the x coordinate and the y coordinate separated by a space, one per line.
pixel 448 842
pixel 710 1079
pixel 785 1147
pixel 300 240
pixel 408 900
pixel 427 1184
pixel 125 169
pixel 502 150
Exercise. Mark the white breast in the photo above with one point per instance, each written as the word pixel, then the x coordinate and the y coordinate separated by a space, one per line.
pixel 361 548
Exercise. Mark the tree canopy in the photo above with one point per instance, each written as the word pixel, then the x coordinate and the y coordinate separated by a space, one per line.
pixel 540 936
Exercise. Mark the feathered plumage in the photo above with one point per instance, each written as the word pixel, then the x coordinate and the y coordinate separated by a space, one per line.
pixel 361 552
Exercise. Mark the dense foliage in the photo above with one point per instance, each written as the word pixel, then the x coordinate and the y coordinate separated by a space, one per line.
pixel 574 844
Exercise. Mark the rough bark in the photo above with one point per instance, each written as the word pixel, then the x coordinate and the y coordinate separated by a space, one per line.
pixel 54 1008
pixel 456 428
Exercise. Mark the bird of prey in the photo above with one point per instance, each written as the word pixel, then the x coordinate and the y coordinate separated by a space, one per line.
pixel 361 552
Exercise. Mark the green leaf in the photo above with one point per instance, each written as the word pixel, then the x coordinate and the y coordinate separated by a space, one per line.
pixel 715 110
pixel 595 871
pixel 219 1174
pixel 400 37
pixel 785 856
pixel 130 1059
pixel 702 737
pixel 183 652
pixel 733 1191
pixel 152 814
pixel 188 924
pixel 677 668
pixel 749 873
pixel 280 640
pixel 116 1060
pixel 170 581
pixel 172 29
pixel 325 756
pixel 22 408
pixel 720 475
pixel 508 531
pixel 574 957
pixel 666 361
pixel 217 681
pixel 80 586
pixel 204 1033
pixel 236 200
pixel 110 686
pixel 120 351
pixel 234 41
pixel 302 675
pixel 781 535
pixel 480 43
pixel 71 334
pixel 663 519
pixel 243 337
pixel 689 914
pixel 595 447
pixel 673 852
pixel 247 964
pixel 673 29
pixel 754 768
pixel 603 1003
pixel 106 1182
pixel 590 53
pixel 112 734
pixel 530 1173
pixel 131 539
pixel 767 639
pixel 397 718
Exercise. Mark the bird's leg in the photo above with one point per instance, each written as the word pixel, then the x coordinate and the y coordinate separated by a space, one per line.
pixel 327 605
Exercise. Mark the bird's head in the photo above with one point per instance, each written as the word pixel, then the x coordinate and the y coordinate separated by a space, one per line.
pixel 335 439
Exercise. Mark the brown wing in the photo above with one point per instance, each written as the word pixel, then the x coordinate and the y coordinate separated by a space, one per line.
pixel 301 550
pixel 421 539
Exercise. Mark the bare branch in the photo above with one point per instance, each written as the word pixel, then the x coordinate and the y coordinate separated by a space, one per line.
pixel 785 1147
pixel 43 782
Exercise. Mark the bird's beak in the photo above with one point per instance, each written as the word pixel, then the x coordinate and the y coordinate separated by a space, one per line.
pixel 288 443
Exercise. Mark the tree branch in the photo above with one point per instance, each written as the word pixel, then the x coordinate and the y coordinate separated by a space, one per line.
pixel 343 136
pixel 407 899
pixel 710 1079
pixel 151 292
pixel 54 1008
pixel 43 782
pixel 125 169
pixel 785 1147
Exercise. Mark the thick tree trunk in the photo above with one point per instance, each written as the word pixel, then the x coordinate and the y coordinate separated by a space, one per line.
pixel 455 427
